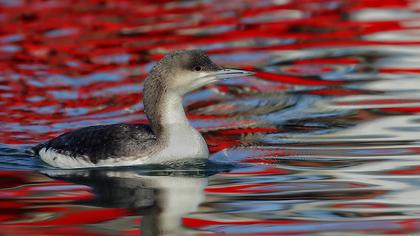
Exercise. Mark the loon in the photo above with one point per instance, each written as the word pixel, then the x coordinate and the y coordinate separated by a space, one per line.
pixel 169 137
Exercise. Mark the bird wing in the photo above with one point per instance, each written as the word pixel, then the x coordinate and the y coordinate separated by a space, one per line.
pixel 103 142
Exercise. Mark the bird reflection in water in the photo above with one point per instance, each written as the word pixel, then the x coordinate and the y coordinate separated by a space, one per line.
pixel 160 196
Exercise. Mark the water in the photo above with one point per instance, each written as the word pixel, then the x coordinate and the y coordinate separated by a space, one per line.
pixel 322 140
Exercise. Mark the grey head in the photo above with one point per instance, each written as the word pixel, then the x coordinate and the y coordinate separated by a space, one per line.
pixel 176 74
pixel 183 71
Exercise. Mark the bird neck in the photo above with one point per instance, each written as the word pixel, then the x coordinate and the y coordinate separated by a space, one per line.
pixel 175 136
pixel 164 109
pixel 171 112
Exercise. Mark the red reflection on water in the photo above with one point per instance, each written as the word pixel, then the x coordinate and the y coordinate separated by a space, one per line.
pixel 41 40
pixel 31 204
pixel 52 54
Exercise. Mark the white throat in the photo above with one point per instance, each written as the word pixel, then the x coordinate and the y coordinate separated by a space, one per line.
pixel 172 111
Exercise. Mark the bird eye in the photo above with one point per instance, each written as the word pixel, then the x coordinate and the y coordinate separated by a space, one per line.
pixel 197 68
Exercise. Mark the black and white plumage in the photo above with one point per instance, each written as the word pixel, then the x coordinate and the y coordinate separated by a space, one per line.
pixel 97 143
pixel 169 136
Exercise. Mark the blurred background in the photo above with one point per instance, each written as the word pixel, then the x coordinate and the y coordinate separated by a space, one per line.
pixel 322 140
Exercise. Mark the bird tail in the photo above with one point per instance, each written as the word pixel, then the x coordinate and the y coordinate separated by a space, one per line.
pixel 34 151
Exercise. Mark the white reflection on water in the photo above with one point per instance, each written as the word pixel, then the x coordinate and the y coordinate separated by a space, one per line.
pixel 161 200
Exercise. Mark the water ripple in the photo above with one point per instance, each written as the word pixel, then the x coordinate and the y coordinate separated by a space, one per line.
pixel 322 139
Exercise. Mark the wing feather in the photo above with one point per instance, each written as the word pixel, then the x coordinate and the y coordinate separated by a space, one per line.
pixel 103 142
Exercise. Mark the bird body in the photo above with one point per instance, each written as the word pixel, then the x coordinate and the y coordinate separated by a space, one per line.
pixel 169 136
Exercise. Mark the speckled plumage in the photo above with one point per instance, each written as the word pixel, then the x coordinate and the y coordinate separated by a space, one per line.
pixel 96 143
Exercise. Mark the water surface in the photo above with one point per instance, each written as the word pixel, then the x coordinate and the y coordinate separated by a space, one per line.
pixel 322 140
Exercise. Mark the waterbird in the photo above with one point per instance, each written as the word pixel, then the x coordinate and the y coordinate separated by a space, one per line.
pixel 169 137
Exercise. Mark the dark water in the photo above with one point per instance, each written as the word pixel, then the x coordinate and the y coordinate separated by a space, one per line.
pixel 323 140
